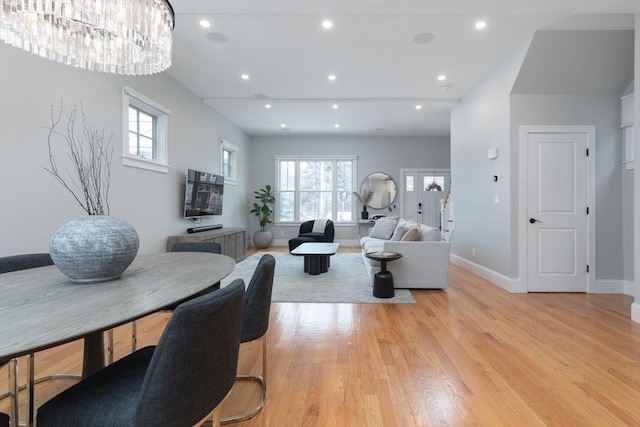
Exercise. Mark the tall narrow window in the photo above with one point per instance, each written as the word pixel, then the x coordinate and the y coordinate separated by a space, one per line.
pixel 313 187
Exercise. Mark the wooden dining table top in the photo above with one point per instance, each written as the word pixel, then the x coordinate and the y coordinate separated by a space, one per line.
pixel 42 308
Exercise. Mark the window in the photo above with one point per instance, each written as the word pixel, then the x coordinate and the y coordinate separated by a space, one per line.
pixel 146 130
pixel 228 160
pixel 315 187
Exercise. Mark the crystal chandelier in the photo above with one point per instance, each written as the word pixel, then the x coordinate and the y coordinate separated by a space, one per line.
pixel 130 37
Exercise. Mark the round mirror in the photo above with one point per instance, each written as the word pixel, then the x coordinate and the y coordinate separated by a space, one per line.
pixel 381 190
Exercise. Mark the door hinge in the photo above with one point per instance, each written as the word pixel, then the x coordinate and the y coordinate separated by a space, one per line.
pixel 587 152
pixel 587 268
pixel 587 210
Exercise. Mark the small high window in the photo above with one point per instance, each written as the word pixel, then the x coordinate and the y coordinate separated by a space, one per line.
pixel 146 132
pixel 228 160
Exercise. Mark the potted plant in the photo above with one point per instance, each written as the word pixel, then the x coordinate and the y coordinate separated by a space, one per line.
pixel 263 210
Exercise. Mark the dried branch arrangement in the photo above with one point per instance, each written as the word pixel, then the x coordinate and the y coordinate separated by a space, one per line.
pixel 365 196
pixel 90 154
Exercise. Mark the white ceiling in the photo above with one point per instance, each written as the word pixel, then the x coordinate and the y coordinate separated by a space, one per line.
pixel 381 73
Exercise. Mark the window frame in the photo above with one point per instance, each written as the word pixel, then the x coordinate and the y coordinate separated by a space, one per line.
pixel 334 192
pixel 160 142
pixel 232 149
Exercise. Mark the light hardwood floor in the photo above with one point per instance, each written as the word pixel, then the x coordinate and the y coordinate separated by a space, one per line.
pixel 470 355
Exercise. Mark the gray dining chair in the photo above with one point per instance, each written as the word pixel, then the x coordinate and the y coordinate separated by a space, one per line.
pixel 257 308
pixel 177 383
pixel 17 263
pixel 211 247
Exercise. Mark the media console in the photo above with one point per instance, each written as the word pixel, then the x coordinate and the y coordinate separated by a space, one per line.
pixel 232 240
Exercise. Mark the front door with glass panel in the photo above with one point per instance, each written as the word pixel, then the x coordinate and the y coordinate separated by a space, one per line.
pixel 422 192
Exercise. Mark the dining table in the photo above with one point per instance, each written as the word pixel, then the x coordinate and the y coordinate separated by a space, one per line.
pixel 41 308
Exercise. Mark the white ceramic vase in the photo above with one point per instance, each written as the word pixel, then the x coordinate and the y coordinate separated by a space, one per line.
pixel 94 248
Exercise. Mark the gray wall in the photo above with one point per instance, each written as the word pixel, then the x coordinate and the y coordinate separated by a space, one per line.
pixel 33 205
pixel 375 154
pixel 482 121
pixel 603 111
pixel 491 117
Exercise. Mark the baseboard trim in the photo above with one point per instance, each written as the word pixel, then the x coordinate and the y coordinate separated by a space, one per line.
pixel 613 287
pixel 635 312
pixel 495 278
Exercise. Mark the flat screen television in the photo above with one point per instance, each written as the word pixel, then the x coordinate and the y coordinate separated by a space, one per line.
pixel 203 194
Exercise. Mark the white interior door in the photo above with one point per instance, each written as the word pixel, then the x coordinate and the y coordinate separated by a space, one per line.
pixel 557 215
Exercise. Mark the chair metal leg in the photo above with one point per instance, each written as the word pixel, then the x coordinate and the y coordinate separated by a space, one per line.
pixel 260 379
pixel 13 389
pixel 110 345
pixel 134 336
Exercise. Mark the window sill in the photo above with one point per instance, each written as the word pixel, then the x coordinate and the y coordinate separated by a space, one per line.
pixel 141 163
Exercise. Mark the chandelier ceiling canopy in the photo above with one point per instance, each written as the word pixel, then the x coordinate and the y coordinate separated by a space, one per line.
pixel 131 37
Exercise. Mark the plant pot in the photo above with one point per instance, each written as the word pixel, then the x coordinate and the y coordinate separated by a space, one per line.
pixel 262 239
pixel 94 248
pixel 364 214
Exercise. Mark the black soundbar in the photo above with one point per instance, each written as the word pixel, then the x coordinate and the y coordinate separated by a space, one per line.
pixel 204 228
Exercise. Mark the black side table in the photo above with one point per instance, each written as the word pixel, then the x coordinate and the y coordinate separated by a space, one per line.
pixel 383 279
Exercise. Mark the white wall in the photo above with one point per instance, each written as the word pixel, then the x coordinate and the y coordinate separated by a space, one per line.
pixel 386 154
pixel 482 121
pixel 33 205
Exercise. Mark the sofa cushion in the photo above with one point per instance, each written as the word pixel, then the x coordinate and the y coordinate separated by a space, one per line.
pixel 430 234
pixel 383 229
pixel 413 234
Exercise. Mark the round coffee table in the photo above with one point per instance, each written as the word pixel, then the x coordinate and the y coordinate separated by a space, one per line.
pixel 383 279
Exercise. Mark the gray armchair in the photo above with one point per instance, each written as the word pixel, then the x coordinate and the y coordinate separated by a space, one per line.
pixel 177 383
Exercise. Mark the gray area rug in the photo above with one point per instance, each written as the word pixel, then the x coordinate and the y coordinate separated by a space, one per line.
pixel 345 282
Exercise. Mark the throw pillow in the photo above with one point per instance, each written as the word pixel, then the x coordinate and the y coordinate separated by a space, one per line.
pixel 383 228
pixel 319 225
pixel 412 235
pixel 430 234
pixel 400 229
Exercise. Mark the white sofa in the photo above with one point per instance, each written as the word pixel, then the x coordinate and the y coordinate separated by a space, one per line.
pixel 424 263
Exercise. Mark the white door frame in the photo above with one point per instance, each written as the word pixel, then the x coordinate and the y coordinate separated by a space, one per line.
pixel 522 199
pixel 403 171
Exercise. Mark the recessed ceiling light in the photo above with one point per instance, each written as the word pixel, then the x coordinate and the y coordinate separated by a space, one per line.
pixel 282 125
pixel 481 25
pixel 423 38
pixel 337 125
pixel 418 107
pixel 217 38
pixel 267 106
pixel 334 106
pixel 442 77
pixel 244 76
pixel 332 77
pixel 204 23
pixel 326 24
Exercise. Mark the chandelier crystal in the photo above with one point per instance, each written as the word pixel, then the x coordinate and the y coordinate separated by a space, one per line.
pixel 131 37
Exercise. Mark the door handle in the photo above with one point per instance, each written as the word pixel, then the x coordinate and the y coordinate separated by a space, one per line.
pixel 533 220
